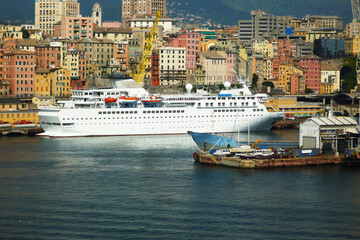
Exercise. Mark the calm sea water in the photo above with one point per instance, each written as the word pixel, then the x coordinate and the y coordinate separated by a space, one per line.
pixel 150 188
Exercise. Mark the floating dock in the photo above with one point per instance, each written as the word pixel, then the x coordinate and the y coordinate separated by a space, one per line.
pixel 237 162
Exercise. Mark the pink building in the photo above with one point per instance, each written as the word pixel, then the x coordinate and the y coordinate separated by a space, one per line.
pixel 48 56
pixel 286 49
pixel 191 41
pixel 312 72
pixel 20 71
pixel 230 66
pixel 74 28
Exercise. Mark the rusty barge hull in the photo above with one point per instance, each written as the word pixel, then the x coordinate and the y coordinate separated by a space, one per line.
pixel 237 162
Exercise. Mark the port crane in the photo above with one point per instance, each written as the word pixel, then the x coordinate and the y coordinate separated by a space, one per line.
pixel 356 17
pixel 145 61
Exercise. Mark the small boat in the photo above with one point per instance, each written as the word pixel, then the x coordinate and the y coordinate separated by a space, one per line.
pixel 4 124
pixel 152 99
pixel 125 99
pixel 23 124
pixel 289 116
pixel 110 100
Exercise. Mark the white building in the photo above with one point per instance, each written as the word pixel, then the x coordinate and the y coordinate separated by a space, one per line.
pixel 147 21
pixel 172 65
pixel 330 74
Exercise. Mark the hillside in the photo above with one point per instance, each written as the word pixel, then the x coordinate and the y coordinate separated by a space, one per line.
pixel 221 11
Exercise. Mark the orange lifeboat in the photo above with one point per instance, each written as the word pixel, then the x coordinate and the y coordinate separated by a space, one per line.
pixel 128 99
pixel 152 99
pixel 110 100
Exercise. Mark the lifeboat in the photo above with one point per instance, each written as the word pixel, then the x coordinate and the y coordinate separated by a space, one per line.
pixel 125 99
pixel 110 100
pixel 23 123
pixel 4 124
pixel 152 99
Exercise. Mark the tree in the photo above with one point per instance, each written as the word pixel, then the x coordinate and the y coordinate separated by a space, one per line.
pixel 254 82
pixel 26 34
pixel 308 90
pixel 268 84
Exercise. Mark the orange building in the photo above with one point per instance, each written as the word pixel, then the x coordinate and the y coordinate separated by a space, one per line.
pixel 74 28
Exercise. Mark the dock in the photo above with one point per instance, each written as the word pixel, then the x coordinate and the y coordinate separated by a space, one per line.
pixel 29 131
pixel 237 162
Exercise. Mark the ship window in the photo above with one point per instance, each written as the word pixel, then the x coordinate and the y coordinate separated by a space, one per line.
pixel 118 112
pixel 100 112
pixel 153 112
pixel 135 112
pixel 131 112
pixel 161 111
pixel 113 112
pixel 122 112
pixel 144 112
pixel 157 111
pixel 170 111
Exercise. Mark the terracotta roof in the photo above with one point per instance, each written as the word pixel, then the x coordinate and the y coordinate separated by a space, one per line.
pixel 113 30
pixel 41 70
pixel 328 67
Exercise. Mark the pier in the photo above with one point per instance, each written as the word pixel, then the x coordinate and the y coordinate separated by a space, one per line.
pixel 29 131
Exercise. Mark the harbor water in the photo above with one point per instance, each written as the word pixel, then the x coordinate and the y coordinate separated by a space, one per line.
pixel 150 188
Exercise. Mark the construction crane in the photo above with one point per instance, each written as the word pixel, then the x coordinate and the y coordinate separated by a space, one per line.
pixel 148 48
pixel 356 17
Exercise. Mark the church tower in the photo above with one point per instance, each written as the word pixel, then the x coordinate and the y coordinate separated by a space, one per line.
pixel 97 14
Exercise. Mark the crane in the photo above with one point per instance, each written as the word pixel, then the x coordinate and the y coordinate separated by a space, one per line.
pixel 356 17
pixel 148 47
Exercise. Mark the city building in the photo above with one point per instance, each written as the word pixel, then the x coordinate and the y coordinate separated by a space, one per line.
pixel 9 31
pixel 147 21
pixel 48 55
pixel 330 78
pixel 263 25
pixel 74 28
pixel 312 72
pixel 172 66
pixel 328 48
pixel 113 34
pixel 133 8
pixel 315 21
pixel 352 46
pixel 49 12
pixel 214 64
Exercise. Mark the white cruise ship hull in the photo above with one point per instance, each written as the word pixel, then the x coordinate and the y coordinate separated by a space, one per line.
pixel 152 121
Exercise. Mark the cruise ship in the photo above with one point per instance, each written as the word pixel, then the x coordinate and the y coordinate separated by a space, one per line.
pixel 128 109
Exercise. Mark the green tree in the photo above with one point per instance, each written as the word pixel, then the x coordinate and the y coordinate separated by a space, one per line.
pixel 308 90
pixel 254 82
pixel 268 84
pixel 26 34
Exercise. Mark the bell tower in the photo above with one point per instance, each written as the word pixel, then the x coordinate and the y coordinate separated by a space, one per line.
pixel 97 14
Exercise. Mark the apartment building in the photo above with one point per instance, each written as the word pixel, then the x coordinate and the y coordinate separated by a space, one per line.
pixel 315 21
pixel 263 25
pixel 48 55
pixel 74 28
pixel 312 72
pixel 172 66
pixel 214 64
pixel 49 12
pixel 131 8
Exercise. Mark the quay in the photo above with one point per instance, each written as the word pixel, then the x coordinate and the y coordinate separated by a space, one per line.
pixel 237 162
pixel 12 131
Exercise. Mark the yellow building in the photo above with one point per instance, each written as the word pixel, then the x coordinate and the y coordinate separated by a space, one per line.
pixel 8 31
pixel 286 71
pixel 4 88
pixel 312 35
pixel 60 82
pixel 16 116
pixel 352 46
pixel 42 82
pixel 327 88
pixel 14 110
pixel 290 105
pixel 268 49
pixel 352 29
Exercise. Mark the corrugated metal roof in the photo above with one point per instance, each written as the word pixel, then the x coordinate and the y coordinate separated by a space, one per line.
pixel 333 121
